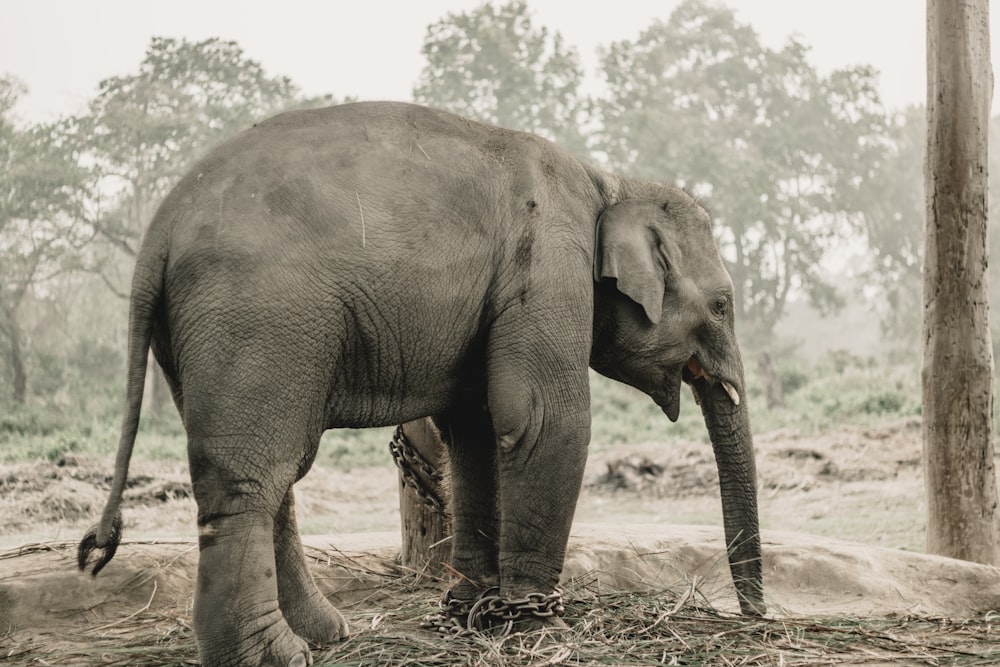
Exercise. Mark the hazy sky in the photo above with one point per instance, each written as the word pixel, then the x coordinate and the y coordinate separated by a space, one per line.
pixel 371 48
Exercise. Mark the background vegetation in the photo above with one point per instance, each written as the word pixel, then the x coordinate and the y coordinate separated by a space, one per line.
pixel 815 188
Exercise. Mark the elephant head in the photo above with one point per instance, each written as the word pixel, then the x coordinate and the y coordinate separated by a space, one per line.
pixel 663 316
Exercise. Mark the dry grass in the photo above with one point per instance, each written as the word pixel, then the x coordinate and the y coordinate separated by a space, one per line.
pixel 666 627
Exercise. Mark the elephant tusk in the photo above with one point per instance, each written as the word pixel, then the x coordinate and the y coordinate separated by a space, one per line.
pixel 733 395
pixel 699 373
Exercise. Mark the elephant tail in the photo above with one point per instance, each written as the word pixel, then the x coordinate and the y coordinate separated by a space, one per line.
pixel 145 297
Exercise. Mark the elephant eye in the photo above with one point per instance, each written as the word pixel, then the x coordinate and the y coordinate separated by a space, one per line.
pixel 720 306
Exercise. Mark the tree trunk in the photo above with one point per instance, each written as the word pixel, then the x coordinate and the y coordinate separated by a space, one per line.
pixel 19 385
pixel 963 518
pixel 772 382
pixel 424 521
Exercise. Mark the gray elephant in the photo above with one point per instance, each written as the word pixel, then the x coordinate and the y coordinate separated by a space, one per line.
pixel 373 263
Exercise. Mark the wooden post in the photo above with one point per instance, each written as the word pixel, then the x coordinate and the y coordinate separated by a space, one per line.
pixel 422 501
pixel 963 520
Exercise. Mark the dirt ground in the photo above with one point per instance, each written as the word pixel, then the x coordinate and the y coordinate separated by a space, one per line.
pixel 842 518
pixel 853 483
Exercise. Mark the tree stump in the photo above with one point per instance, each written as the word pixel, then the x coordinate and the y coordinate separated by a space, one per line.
pixel 426 526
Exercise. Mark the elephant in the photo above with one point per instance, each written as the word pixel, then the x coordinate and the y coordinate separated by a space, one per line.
pixel 373 263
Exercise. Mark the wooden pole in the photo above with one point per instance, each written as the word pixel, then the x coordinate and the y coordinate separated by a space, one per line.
pixel 422 501
pixel 963 520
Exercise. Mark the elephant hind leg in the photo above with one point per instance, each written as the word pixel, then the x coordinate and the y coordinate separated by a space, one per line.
pixel 308 612
pixel 468 433
pixel 237 618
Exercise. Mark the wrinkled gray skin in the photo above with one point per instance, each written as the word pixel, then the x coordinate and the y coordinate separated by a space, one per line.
pixel 370 264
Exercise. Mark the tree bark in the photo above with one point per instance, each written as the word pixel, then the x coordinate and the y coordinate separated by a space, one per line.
pixel 424 529
pixel 963 519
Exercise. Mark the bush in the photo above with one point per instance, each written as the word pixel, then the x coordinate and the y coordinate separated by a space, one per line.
pixel 21 420
pixel 792 379
pixel 882 402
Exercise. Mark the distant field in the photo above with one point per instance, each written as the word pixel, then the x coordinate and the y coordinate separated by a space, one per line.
pixel 818 396
pixel 842 458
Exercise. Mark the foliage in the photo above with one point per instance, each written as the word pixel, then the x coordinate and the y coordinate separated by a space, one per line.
pixel 492 64
pixel 621 414
pixel 891 214
pixel 346 448
pixel 774 149
pixel 99 177
pixel 42 201
pixel 144 130
pixel 825 397
pixel 792 379
pixel 787 160
pixel 19 421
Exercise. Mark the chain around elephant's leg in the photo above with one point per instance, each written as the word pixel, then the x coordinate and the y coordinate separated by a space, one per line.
pixel 540 462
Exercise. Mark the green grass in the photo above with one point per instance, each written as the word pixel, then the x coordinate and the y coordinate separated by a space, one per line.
pixel 818 397
pixel 41 432
pixel 830 394
pixel 621 414
pixel 354 448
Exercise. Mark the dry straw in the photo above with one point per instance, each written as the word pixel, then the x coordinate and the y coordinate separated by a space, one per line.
pixel 656 627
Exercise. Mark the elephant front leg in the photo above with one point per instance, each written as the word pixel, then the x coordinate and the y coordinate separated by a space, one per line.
pixel 471 443
pixel 542 449
pixel 308 612
pixel 237 617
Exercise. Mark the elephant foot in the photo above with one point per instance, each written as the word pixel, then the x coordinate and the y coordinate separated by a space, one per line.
pixel 469 590
pixel 316 620
pixel 272 646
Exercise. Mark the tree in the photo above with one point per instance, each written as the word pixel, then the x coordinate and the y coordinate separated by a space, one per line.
pixel 891 216
pixel 492 64
pixel 42 199
pixel 144 130
pixel 963 517
pixel 772 148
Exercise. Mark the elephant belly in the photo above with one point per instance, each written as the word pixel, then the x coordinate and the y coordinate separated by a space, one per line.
pixel 387 373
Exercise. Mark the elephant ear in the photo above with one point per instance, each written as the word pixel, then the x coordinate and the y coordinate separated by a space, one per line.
pixel 629 250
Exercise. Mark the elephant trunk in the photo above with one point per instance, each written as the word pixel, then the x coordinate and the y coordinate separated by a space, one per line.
pixel 728 423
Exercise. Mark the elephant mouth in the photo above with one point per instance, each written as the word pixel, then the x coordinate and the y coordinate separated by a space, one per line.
pixel 693 373
pixel 668 394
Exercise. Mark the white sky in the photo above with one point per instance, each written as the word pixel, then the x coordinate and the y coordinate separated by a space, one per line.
pixel 371 48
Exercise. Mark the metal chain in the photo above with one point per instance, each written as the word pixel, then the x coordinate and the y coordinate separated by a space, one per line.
pixel 489 610
pixel 408 460
pixel 451 617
